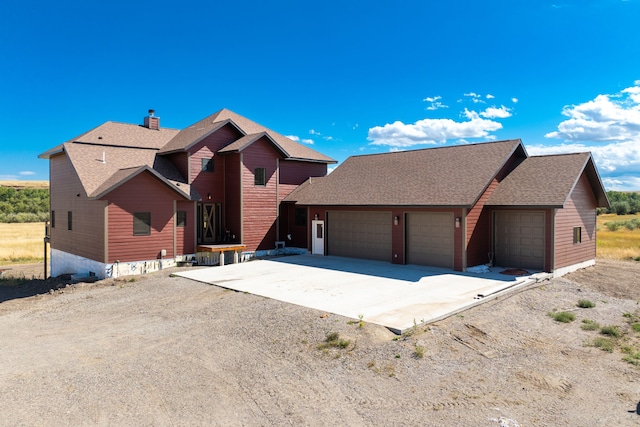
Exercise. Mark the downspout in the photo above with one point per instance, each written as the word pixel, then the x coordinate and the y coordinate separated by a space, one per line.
pixel 241 210
pixel 175 244
pixel 464 239
pixel 277 199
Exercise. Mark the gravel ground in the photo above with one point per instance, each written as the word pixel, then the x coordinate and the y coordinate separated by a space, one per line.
pixel 162 350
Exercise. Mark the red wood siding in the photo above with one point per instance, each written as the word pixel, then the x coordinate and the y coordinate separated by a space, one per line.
pixel 144 193
pixel 206 183
pixel 579 211
pixel 259 203
pixel 231 208
pixel 87 237
pixel 478 239
pixel 288 226
pixel 185 235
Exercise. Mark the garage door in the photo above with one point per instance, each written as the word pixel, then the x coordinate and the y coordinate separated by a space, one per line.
pixel 520 240
pixel 359 234
pixel 429 238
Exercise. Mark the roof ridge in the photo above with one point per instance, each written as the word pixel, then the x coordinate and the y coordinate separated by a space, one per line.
pixel 410 150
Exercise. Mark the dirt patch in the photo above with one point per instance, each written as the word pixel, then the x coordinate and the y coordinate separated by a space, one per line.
pixel 164 350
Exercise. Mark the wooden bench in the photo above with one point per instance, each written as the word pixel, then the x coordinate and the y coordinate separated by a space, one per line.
pixel 221 249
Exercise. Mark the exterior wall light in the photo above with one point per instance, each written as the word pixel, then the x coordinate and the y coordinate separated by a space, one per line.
pixel 458 221
pixel 315 217
pixel 396 220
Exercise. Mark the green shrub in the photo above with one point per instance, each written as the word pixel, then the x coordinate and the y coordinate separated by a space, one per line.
pixel 611 330
pixel 604 344
pixel 562 316
pixel 585 303
pixel 333 339
pixel 589 325
pixel 419 351
pixel 636 327
pixel 612 226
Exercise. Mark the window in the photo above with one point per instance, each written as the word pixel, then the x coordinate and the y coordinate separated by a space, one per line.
pixel 260 176
pixel 301 216
pixel 577 235
pixel 69 221
pixel 53 219
pixel 181 218
pixel 207 165
pixel 142 223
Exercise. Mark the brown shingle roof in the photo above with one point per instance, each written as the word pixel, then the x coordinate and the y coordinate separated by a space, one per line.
pixel 196 132
pixel 126 135
pixel 444 176
pixel 547 181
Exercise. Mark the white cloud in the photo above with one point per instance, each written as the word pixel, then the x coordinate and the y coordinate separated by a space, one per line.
pixel 8 177
pixel 609 127
pixel 314 132
pixel 514 100
pixel 297 139
pixel 27 173
pixel 435 103
pixel 605 118
pixel 474 97
pixel 431 131
pixel 489 96
pixel 496 113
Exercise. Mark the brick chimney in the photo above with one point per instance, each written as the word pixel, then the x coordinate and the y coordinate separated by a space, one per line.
pixel 151 121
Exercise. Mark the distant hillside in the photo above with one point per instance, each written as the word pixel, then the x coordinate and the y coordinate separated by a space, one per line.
pixel 19 185
pixel 24 201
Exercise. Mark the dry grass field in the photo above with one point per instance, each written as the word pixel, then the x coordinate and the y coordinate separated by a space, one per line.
pixel 622 244
pixel 25 184
pixel 21 243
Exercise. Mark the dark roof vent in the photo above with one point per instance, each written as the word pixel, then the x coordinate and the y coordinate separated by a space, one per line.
pixel 151 121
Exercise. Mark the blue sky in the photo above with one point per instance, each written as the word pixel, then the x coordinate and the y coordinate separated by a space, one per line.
pixel 348 77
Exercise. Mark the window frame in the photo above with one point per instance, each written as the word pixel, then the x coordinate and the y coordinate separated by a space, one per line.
pixel 208 164
pixel 139 220
pixel 577 235
pixel 181 218
pixel 260 177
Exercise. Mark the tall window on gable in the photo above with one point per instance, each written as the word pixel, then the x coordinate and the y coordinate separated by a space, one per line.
pixel 577 235
pixel 142 223
pixel 260 176
pixel 208 165
pixel 181 219
pixel 53 219
pixel 69 220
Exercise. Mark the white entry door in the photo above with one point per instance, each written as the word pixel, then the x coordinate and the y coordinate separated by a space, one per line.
pixel 317 237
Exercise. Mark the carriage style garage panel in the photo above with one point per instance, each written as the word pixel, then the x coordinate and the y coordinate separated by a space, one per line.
pixel 520 239
pixel 430 238
pixel 359 234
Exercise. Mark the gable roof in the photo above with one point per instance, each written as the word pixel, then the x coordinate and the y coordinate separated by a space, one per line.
pixel 547 181
pixel 112 151
pixel 193 134
pixel 123 175
pixel 443 176
pixel 247 140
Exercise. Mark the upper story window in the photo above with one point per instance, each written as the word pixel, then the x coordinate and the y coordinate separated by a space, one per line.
pixel 208 165
pixel 142 223
pixel 181 218
pixel 53 219
pixel 260 176
pixel 577 235
pixel 69 220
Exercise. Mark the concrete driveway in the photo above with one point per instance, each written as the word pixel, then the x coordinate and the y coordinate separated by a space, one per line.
pixel 394 296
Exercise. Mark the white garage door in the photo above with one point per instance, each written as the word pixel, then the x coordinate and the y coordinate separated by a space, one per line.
pixel 429 238
pixel 359 234
pixel 520 239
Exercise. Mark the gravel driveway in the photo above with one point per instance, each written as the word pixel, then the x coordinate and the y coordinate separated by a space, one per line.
pixel 164 350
